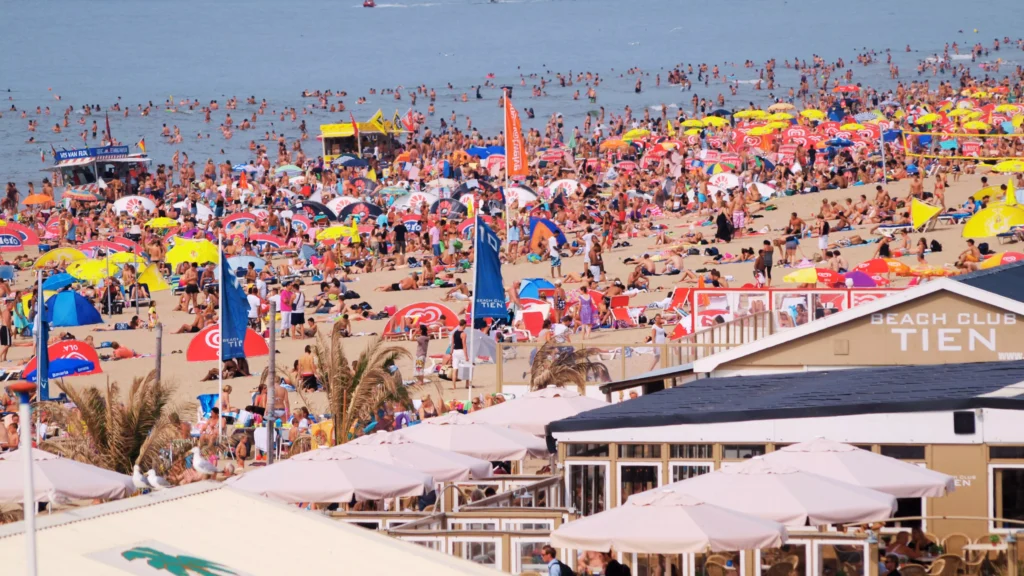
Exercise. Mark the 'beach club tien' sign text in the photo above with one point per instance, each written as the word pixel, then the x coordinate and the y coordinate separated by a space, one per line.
pixel 950 331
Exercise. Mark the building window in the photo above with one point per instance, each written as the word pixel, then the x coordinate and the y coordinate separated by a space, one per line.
pixel 588 485
pixel 1007 492
pixel 741 451
pixel 907 508
pixel 903 452
pixel 640 451
pixel 1006 453
pixel 637 478
pixel 682 472
pixel 692 451
pixel 579 450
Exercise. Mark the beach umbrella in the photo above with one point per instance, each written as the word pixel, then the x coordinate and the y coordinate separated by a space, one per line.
pixel 163 222
pixel 200 252
pixel 457 433
pixel 288 169
pixel 787 495
pixel 80 194
pixel 61 367
pixel 236 262
pixel 882 266
pixel 58 281
pixel 813 114
pixel 132 204
pixel 244 168
pixel 331 476
pixel 613 145
pixel 93 270
pixel 129 258
pixel 318 210
pixel 1007 108
pixel 350 162
pixel 779 117
pixel 780 107
pixel 813 276
pixel 635 134
pixel 860 279
pixel 106 245
pixel 750 114
pixel 862 468
pixel 852 126
pixel 665 522
pixel 59 256
pixel 57 479
pixel 691 123
pixel 976 125
pixel 839 142
pixel 393 449
pixel 532 412
pixel 715 121
pixel 38 200
pixel 1009 166
pixel 867 116
pixel 927 119
pixel 761 131
pixel 997 259
pixel 365 211
pixel 996 219
pixel 960 112
pixel 335 232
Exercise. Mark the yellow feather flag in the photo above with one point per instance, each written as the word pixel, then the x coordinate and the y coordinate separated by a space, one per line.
pixel 921 213
pixel 671 129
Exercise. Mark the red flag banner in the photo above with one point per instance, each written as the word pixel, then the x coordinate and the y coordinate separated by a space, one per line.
pixel 515 148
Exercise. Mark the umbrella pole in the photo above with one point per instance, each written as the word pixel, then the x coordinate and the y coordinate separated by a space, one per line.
pixel 136 257
pixel 472 315
pixel 220 347
pixel 24 391
pixel 110 310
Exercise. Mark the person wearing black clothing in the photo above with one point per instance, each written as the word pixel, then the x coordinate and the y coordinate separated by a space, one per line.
pixel 460 357
pixel 400 231
pixel 613 567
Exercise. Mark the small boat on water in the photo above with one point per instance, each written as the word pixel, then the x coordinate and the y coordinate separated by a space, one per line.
pixel 369 4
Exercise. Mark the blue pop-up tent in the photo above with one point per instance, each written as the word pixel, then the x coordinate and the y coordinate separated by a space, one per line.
pixel 531 287
pixel 71 309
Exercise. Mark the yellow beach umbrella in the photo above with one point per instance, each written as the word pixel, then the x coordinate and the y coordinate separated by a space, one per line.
pixel 751 114
pixel 716 121
pixel 692 123
pixel 163 222
pixel 692 132
pixel 921 213
pixel 979 95
pixel 852 126
pixel 927 119
pixel 199 252
pixel 128 258
pixel 1017 120
pixel 990 191
pixel 1000 258
pixel 1007 108
pixel 813 114
pixel 777 125
pixel 760 131
pixel 993 220
pixel 976 125
pixel 960 112
pixel 335 232
pixel 780 116
pixel 1009 166
pixel 636 134
pixel 60 255
pixel 152 278
pixel 92 270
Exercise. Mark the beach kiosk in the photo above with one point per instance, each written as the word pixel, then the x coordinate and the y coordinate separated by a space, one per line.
pixel 340 139
pixel 85 166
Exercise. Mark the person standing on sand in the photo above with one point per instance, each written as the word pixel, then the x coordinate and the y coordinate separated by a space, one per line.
pixel 6 329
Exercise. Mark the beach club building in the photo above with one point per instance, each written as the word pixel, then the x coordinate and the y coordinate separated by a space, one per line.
pixel 933 375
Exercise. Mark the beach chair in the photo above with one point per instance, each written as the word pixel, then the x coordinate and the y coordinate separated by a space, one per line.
pixel 534 323
pixel 621 301
pixel 206 404
pixel 625 316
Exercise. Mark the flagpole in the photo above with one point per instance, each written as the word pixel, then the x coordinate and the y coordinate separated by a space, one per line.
pixel 220 348
pixel 508 212
pixel 42 372
pixel 472 314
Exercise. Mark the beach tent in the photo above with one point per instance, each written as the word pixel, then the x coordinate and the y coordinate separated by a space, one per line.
pixel 152 278
pixel 531 287
pixel 422 313
pixel 540 230
pixel 205 344
pixel 71 309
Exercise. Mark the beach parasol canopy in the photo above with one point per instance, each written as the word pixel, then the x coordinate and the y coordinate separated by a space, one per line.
pixel 813 276
pixel 813 114
pixel 198 251
pixel 716 121
pixel 59 256
pixel 1009 166
pixel 93 270
pixel 780 107
pixel 1001 258
pixel 665 522
pixel 977 125
pixel 57 479
pixel 442 465
pixel 692 123
pixel 534 411
pixel 787 495
pixel 331 476
pixel 862 468
pixel 882 266
pixel 163 222
pixel 993 220
pixel 38 200
pixel 927 119
pixel 860 279
pixel 289 169
pixel 457 433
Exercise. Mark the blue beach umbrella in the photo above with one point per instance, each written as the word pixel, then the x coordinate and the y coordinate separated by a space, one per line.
pixel 58 281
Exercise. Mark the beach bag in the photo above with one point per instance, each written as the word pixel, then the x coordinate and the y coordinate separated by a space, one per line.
pixel 693 252
pixel 935 246
pixel 711 251
pixel 983 248
pixel 564 570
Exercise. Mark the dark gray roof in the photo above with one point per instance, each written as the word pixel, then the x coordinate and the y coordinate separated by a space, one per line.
pixel 1006 280
pixel 888 389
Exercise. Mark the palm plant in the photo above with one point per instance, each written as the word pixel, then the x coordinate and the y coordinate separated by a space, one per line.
pixel 564 366
pixel 105 431
pixel 357 389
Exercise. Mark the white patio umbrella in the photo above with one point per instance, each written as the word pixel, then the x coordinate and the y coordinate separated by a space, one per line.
pixel 862 468
pixel 329 476
pixel 787 495
pixel 442 465
pixel 537 409
pixel 458 433
pixel 59 479
pixel 665 522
